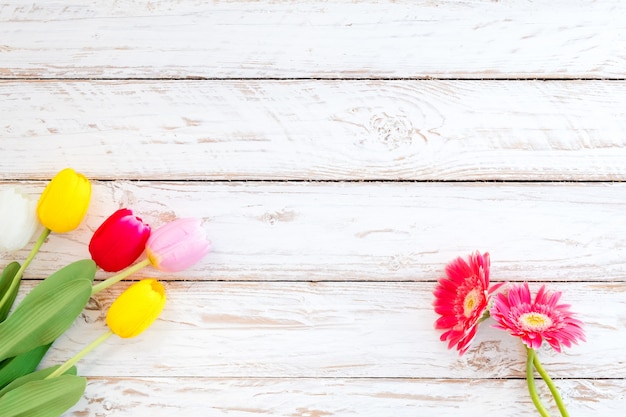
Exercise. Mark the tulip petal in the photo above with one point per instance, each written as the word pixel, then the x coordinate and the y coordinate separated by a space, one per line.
pixel 136 308
pixel 18 219
pixel 64 201
pixel 177 245
pixel 119 241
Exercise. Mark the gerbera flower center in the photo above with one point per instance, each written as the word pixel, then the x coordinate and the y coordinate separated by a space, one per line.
pixel 472 299
pixel 534 321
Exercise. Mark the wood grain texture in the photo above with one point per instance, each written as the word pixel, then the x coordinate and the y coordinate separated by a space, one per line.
pixel 332 330
pixel 194 397
pixel 371 231
pixel 363 39
pixel 336 153
pixel 315 130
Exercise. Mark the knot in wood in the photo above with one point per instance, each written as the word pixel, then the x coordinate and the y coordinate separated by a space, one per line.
pixel 393 131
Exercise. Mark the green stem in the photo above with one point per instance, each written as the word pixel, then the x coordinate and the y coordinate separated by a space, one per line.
pixel 530 379
pixel 485 316
pixel 550 384
pixel 18 275
pixel 72 361
pixel 116 278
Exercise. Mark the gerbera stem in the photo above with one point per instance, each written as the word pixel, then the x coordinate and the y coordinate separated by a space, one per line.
pixel 485 316
pixel 530 380
pixel 550 384
pixel 116 278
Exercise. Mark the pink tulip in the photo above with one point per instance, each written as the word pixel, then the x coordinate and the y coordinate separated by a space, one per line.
pixel 119 241
pixel 177 245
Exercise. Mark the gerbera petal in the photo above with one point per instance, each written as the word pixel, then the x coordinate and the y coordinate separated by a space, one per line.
pixel 513 297
pixel 543 319
pixel 461 298
pixel 496 287
pixel 556 345
pixel 458 270
pixel 445 322
pixel 524 294
pixel 486 265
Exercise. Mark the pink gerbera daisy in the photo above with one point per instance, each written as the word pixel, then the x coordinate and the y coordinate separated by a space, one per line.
pixel 535 321
pixel 462 298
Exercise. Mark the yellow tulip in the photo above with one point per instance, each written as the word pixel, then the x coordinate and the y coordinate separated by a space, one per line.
pixel 136 308
pixel 64 202
pixel 129 315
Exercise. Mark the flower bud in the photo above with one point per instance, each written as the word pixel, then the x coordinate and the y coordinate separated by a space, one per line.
pixel 177 245
pixel 136 308
pixel 18 219
pixel 64 202
pixel 119 241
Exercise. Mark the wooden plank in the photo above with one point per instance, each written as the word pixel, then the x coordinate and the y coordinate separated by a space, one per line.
pixel 301 38
pixel 337 397
pixel 315 130
pixel 370 231
pixel 332 330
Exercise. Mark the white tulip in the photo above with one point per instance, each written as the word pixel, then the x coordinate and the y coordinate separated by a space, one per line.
pixel 18 219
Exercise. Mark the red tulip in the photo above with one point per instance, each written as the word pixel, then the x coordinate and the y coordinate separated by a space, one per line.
pixel 119 241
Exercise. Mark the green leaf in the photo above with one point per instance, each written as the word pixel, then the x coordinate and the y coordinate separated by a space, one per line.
pixel 45 398
pixel 17 366
pixel 83 269
pixel 48 310
pixel 5 283
pixel 42 318
pixel 34 376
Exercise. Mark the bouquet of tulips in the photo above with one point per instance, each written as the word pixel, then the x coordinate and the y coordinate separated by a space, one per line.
pixel 49 309
pixel 464 298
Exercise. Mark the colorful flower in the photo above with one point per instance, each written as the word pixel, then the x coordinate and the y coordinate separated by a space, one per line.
pixel 538 320
pixel 18 219
pixel 129 315
pixel 462 298
pixel 177 245
pixel 119 241
pixel 64 201
pixel 136 308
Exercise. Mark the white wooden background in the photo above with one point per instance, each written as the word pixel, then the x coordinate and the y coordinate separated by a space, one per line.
pixel 340 154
